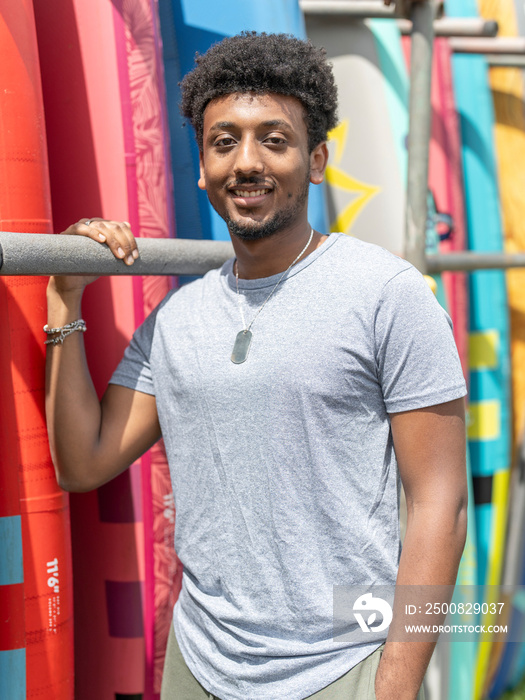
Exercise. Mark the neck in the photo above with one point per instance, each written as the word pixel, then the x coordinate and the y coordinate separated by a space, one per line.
pixel 272 255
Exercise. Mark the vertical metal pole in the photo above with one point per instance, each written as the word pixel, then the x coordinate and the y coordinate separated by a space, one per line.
pixel 422 16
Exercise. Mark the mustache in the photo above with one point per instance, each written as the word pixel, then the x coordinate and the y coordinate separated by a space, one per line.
pixel 240 181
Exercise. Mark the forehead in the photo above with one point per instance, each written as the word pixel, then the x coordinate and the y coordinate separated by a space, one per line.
pixel 249 109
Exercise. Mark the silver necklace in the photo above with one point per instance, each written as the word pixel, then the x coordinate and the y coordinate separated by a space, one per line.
pixel 243 339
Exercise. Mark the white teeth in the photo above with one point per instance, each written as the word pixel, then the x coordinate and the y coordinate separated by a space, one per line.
pixel 250 193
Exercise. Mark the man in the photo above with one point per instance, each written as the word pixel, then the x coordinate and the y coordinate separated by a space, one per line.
pixel 291 388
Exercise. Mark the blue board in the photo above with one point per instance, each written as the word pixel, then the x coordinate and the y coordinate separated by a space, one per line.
pixel 489 430
pixel 489 381
pixel 188 26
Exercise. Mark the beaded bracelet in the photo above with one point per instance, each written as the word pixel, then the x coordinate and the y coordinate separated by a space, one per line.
pixel 64 331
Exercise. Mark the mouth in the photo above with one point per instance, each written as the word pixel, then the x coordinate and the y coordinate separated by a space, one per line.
pixel 247 194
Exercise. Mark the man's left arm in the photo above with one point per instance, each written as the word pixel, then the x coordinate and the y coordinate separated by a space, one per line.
pixel 430 451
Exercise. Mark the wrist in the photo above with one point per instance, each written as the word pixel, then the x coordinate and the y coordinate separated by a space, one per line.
pixel 63 305
pixel 66 285
pixel 69 293
pixel 401 670
pixel 393 688
pixel 56 336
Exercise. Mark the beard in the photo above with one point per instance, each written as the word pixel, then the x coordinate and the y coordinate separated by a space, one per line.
pixel 254 231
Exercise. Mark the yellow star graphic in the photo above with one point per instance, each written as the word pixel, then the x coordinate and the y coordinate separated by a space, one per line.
pixel 336 177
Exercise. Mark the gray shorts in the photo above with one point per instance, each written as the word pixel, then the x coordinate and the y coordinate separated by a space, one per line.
pixel 178 683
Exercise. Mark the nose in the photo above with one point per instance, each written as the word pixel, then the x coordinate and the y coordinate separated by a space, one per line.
pixel 248 158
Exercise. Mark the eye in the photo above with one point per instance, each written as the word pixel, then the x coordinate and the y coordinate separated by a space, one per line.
pixel 224 142
pixel 275 140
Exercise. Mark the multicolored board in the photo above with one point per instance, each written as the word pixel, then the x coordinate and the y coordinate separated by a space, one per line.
pixel 36 624
pixel 453 677
pixel 446 185
pixel 489 429
pixel 508 93
pixel 366 185
pixel 516 541
pixel 103 97
pixel 450 675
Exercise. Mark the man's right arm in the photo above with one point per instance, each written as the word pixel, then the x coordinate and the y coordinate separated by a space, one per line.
pixel 91 441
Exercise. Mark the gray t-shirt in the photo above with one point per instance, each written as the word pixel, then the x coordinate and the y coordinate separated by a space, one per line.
pixel 283 469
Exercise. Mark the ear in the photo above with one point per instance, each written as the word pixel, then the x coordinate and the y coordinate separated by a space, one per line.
pixel 318 163
pixel 201 182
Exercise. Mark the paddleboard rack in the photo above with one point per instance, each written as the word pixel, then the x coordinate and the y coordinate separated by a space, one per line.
pixel 42 254
pixel 460 27
pixel 419 119
pixel 501 52
pixel 370 9
pixel 467 261
pixel 503 45
pixel 506 61
pixel 422 26
pixel 359 10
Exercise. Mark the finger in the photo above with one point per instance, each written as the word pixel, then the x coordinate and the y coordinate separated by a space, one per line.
pixel 127 229
pixel 128 245
pixel 116 234
pixel 85 227
pixel 73 229
pixel 119 238
pixel 93 226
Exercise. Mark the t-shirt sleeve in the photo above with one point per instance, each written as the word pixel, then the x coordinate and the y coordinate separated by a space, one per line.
pixel 416 356
pixel 134 370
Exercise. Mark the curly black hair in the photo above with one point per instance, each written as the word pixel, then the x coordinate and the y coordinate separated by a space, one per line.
pixel 264 63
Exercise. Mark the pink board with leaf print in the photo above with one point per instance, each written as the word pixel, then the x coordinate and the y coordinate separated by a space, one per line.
pixel 104 106
pixel 446 184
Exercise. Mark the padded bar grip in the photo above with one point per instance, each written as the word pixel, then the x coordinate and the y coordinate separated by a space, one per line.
pixel 47 254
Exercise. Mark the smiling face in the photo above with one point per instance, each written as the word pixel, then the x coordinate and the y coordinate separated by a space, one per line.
pixel 255 164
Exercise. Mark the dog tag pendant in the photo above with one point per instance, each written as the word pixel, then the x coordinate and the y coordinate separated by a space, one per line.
pixel 241 347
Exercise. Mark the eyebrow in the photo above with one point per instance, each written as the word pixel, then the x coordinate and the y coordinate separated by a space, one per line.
pixel 278 122
pixel 220 126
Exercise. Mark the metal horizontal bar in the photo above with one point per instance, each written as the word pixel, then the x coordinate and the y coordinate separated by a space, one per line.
pixel 358 10
pixel 363 9
pixel 509 60
pixel 469 262
pixel 47 254
pixel 498 45
pixel 460 27
pixel 422 17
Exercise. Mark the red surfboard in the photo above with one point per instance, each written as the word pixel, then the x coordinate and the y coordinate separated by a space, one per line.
pixel 26 466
